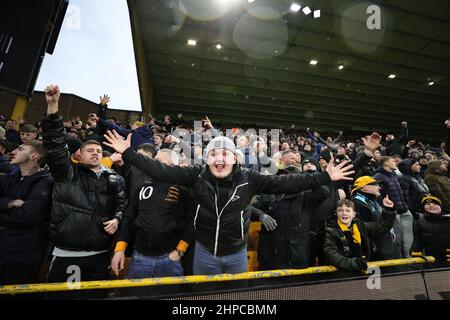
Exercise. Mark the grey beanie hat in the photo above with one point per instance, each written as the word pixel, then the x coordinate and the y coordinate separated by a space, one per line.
pixel 220 143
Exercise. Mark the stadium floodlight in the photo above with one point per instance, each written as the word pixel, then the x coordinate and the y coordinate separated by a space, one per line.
pixel 313 62
pixel 430 83
pixel 316 14
pixel 341 66
pixel 218 46
pixel 391 76
pixel 192 42
pixel 295 7
pixel 306 10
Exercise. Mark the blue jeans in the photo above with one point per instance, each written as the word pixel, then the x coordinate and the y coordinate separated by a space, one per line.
pixel 405 223
pixel 142 266
pixel 206 263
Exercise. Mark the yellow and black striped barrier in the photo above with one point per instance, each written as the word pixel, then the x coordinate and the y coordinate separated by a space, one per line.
pixel 128 283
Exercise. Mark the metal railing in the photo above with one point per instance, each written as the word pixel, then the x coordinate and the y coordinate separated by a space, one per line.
pixel 129 283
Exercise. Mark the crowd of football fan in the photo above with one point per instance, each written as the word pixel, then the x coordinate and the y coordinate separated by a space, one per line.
pixel 179 200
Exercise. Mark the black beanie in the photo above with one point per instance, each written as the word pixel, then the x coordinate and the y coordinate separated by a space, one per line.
pixel 73 144
pixel 313 161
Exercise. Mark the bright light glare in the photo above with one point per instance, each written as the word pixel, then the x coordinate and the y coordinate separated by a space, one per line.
pixel 295 7
pixel 306 10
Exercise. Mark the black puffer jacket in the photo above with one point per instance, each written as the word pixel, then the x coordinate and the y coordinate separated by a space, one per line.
pixel 221 219
pixel 82 200
pixel 432 234
pixel 391 186
pixel 413 186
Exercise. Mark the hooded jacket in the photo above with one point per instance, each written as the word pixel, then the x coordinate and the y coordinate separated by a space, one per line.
pixel 336 244
pixel 24 230
pixel 221 220
pixel 438 183
pixel 413 186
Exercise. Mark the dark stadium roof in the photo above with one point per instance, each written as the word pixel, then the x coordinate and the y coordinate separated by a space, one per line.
pixel 262 74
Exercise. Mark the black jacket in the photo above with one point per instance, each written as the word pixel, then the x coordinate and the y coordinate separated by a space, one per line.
pixel 157 218
pixel 82 200
pixel 413 186
pixel 135 178
pixel 368 169
pixel 13 136
pixel 432 234
pixel 95 134
pixel 23 231
pixel 288 246
pixel 398 145
pixel 5 165
pixel 221 219
pixel 336 244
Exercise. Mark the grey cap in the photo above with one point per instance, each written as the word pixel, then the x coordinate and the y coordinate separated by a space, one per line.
pixel 220 143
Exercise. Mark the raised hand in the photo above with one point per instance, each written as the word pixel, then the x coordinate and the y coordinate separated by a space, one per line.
pixel 410 143
pixel 404 124
pixel 387 202
pixel 104 100
pixel 52 94
pixel 208 123
pixel 171 139
pixel 116 157
pixel 373 142
pixel 447 123
pixel 117 142
pixel 339 172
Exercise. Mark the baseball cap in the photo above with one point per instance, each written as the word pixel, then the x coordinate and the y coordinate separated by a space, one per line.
pixel 363 181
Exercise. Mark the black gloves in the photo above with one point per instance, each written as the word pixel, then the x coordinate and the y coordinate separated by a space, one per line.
pixel 116 183
pixel 361 263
